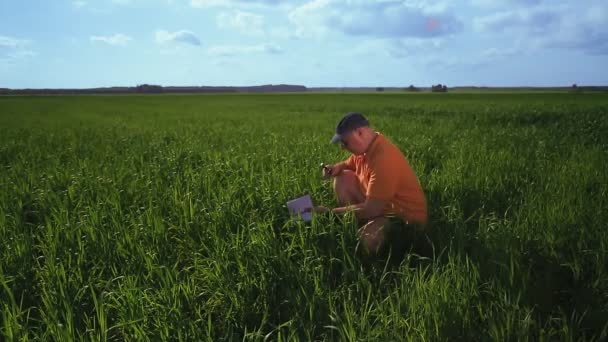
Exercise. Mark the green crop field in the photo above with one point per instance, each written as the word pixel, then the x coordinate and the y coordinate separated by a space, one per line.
pixel 163 217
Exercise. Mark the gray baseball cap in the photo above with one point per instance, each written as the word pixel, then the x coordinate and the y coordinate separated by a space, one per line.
pixel 349 122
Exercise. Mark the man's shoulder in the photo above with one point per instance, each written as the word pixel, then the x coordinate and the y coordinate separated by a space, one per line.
pixel 386 141
pixel 386 149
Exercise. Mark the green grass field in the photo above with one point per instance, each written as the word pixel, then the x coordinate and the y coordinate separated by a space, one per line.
pixel 163 217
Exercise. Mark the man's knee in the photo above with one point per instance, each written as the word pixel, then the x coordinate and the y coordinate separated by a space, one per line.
pixel 373 236
pixel 347 188
pixel 346 180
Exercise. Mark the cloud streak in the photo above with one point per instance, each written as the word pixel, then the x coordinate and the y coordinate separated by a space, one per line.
pixel 230 3
pixel 504 3
pixel 118 39
pixel 537 20
pixel 182 36
pixel 14 49
pixel 564 27
pixel 393 19
pixel 233 50
pixel 245 22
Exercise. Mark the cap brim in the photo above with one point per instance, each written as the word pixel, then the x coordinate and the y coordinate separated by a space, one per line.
pixel 335 139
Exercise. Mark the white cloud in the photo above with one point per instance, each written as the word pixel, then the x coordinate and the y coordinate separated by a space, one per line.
pixel 403 18
pixel 182 36
pixel 249 23
pixel 536 20
pixel 231 50
pixel 282 33
pixel 10 42
pixel 499 53
pixel 408 47
pixel 487 58
pixel 307 18
pixel 559 27
pixel 396 47
pixel 586 31
pixel 228 3
pixel 208 3
pixel 118 39
pixel 14 49
pixel 505 3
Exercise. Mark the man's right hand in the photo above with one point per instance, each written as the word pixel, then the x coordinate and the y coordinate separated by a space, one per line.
pixel 331 170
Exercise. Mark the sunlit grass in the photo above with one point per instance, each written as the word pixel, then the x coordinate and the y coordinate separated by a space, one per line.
pixel 163 217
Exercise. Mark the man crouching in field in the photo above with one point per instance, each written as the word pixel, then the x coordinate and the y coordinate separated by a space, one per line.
pixel 376 182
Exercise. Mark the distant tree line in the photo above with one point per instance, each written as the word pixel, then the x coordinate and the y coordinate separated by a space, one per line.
pixel 157 89
pixel 442 88
pixel 149 89
pixel 273 88
pixel 439 88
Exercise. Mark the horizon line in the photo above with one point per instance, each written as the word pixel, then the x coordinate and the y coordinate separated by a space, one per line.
pixel 305 86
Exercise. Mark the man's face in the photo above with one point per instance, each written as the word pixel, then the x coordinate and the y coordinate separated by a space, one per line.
pixel 353 142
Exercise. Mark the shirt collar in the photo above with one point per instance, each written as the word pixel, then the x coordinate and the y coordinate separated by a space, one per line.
pixel 374 145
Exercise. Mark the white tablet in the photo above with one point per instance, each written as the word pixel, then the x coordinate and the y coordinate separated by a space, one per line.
pixel 298 206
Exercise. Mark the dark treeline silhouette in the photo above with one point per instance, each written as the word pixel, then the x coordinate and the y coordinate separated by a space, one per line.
pixel 149 89
pixel 439 88
pixel 156 89
pixel 269 88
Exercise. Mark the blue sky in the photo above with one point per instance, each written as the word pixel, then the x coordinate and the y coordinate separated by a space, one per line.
pixel 97 43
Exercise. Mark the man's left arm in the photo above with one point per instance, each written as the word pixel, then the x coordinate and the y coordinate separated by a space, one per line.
pixel 369 209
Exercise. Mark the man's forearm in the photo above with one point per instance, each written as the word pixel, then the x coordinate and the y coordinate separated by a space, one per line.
pixel 343 165
pixel 359 210
pixel 369 209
